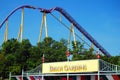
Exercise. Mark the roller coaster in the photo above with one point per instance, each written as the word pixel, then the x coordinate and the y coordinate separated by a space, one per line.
pixel 68 17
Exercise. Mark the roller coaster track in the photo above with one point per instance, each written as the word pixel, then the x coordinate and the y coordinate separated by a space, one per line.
pixel 69 18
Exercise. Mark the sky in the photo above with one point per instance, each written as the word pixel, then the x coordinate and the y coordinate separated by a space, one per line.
pixel 100 18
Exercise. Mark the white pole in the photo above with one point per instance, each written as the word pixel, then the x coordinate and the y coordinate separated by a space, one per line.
pixel 68 73
pixel 98 69
pixel 42 66
pixel 42 77
pixel 98 75
pixel 10 76
pixel 67 76
pixel 116 68
pixel 22 74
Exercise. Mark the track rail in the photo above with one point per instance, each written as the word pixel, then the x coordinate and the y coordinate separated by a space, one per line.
pixel 69 18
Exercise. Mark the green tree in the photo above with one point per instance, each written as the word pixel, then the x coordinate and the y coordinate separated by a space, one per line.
pixel 80 53
pixel 7 51
pixel 10 46
pixel 119 60
pixel 23 53
pixel 34 57
pixel 53 50
pixel 15 56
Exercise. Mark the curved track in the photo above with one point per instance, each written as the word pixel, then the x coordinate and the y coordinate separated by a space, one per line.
pixel 69 18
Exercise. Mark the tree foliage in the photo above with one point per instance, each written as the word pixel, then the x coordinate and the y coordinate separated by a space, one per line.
pixel 15 56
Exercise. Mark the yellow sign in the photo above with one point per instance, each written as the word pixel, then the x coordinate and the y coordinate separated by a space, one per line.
pixel 71 66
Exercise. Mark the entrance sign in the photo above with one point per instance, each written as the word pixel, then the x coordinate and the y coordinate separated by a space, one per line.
pixel 71 66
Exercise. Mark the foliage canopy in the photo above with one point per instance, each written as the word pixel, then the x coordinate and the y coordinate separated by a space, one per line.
pixel 15 56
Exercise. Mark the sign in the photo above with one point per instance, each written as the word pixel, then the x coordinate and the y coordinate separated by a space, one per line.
pixel 71 66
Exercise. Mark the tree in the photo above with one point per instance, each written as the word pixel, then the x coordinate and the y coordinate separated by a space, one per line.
pixel 10 46
pixel 78 48
pixel 23 53
pixel 7 51
pixel 34 56
pixel 119 60
pixel 15 56
pixel 53 50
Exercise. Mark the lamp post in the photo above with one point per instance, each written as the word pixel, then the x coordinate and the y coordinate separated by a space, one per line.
pixel 67 55
pixel 98 57
pixel 43 60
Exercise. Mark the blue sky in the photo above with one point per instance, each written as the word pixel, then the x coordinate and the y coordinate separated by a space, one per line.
pixel 100 18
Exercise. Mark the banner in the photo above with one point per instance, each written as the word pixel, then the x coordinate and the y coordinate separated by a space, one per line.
pixel 71 66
